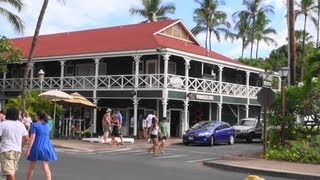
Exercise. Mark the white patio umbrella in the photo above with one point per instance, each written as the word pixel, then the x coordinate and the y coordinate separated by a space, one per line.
pixel 55 95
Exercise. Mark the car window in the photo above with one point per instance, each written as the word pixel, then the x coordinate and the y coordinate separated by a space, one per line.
pixel 247 122
pixel 202 124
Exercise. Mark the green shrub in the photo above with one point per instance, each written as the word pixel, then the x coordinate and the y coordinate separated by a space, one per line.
pixel 304 152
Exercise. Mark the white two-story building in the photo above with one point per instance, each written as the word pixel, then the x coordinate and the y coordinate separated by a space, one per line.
pixel 139 68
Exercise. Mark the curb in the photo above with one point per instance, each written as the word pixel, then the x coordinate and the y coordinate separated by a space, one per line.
pixel 265 172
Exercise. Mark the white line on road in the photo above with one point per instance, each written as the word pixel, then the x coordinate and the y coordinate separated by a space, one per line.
pixel 110 151
pixel 167 157
pixel 200 160
pixel 127 152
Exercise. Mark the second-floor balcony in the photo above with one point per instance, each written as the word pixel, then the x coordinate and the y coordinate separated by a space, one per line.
pixel 127 82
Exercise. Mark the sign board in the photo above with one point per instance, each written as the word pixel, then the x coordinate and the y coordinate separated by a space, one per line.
pixel 267 83
pixel 270 96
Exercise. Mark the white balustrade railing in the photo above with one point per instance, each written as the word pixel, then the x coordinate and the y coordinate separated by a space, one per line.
pixel 145 81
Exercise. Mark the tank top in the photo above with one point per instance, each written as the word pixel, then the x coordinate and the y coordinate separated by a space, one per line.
pixel 155 130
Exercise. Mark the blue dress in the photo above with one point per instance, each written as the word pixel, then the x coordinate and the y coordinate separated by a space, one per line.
pixel 42 149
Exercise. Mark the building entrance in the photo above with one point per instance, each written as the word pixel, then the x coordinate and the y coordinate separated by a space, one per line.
pixel 175 123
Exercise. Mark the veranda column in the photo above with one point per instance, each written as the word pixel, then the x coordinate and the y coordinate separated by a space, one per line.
pixel 94 120
pixel 186 102
pixel 4 80
pixel 166 57
pixel 186 119
pixel 31 74
pixel 135 98
pixel 220 92
pixel 247 92
pixel 62 63
pixel 96 74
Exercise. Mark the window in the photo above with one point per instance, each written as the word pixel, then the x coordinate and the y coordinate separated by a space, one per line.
pixel 172 69
pixel 69 70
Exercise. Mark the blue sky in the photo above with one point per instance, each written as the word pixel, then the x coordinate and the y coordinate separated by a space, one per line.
pixel 83 14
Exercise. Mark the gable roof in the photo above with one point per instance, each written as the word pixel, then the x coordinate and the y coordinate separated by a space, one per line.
pixel 115 39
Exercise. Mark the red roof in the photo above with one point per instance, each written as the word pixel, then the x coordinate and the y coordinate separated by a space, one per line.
pixel 112 39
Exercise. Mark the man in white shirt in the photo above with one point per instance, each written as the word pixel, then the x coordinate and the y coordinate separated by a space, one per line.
pixel 14 136
pixel 149 120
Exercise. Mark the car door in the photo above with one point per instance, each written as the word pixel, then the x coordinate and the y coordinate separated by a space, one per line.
pixel 219 133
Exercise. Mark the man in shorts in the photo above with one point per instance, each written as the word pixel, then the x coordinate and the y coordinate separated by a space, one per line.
pixel 14 136
pixel 116 111
pixel 106 125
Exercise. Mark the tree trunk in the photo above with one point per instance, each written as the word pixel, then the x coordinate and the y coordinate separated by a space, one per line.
pixel 30 56
pixel 210 35
pixel 242 48
pixel 318 20
pixel 292 44
pixel 303 47
pixel 252 35
pixel 257 49
pixel 207 34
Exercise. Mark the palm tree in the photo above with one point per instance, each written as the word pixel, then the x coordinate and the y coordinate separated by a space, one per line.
pixel 242 28
pixel 306 8
pixel 262 32
pixel 154 10
pixel 30 56
pixel 209 20
pixel 299 36
pixel 203 17
pixel 12 18
pixel 253 9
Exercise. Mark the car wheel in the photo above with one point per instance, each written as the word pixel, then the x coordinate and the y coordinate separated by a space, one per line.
pixel 211 141
pixel 231 140
pixel 186 143
pixel 249 138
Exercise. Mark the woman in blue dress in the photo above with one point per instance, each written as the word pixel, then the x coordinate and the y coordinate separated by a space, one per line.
pixel 40 147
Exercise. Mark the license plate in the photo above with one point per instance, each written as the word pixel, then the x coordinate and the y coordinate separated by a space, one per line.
pixel 190 138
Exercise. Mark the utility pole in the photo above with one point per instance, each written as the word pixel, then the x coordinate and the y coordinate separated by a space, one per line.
pixel 291 43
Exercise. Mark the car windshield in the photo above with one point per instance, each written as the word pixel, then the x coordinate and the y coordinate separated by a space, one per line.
pixel 203 125
pixel 247 122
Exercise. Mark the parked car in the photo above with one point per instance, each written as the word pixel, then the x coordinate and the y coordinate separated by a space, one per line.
pixel 209 132
pixel 248 129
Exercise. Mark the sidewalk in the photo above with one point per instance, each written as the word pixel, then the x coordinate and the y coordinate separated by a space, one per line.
pixel 262 167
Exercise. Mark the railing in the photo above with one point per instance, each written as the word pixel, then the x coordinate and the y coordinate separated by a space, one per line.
pixel 145 81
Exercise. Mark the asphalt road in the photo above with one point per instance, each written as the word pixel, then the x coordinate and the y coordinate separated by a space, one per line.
pixel 179 163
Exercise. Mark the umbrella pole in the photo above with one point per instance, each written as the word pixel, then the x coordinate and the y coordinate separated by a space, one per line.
pixel 54 118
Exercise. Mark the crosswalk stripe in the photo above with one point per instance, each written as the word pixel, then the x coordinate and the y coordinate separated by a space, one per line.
pixel 172 156
pixel 200 160
pixel 110 151
pixel 127 152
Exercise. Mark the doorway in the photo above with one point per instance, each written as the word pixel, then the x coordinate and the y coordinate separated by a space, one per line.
pixel 175 123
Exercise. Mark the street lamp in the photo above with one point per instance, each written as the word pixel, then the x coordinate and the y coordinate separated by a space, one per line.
pixel 41 78
pixel 283 72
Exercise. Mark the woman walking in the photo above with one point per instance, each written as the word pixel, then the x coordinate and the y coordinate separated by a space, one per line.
pixel 163 135
pixel 154 130
pixel 40 147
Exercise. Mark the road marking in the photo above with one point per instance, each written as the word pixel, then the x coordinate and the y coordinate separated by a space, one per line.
pixel 172 156
pixel 67 150
pixel 110 151
pixel 127 152
pixel 139 154
pixel 200 160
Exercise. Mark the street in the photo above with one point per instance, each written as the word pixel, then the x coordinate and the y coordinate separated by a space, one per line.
pixel 179 162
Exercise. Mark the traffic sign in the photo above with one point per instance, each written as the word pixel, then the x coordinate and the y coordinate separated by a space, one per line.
pixel 270 96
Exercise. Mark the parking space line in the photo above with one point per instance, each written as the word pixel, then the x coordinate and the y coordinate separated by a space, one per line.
pixel 172 156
